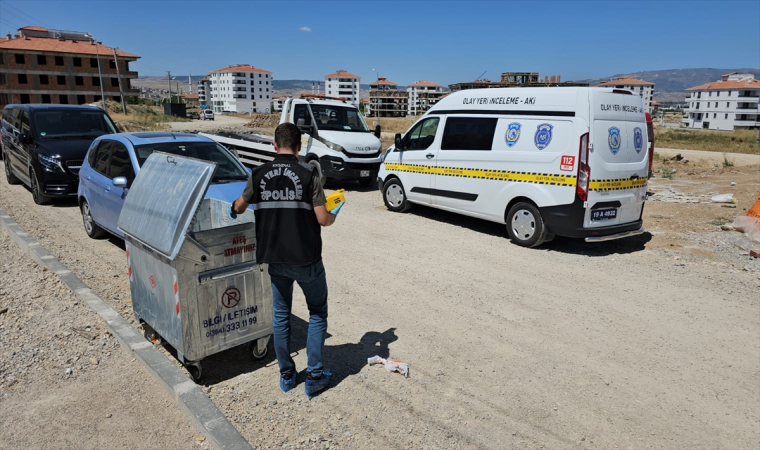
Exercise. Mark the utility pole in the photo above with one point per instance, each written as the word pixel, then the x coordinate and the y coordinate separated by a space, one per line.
pixel 169 81
pixel 100 76
pixel 118 75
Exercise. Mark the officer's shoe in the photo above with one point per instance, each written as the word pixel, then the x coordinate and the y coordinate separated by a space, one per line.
pixel 314 385
pixel 289 383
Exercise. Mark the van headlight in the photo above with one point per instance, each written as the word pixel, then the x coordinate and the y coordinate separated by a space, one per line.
pixel 51 163
pixel 331 145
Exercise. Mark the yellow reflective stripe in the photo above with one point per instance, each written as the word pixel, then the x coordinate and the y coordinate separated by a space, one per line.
pixel 616 185
pixel 483 174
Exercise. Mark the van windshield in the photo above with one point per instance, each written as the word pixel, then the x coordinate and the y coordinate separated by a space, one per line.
pixel 72 124
pixel 338 118
pixel 227 167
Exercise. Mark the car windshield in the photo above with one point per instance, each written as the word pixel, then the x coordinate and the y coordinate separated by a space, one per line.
pixel 338 118
pixel 72 124
pixel 227 167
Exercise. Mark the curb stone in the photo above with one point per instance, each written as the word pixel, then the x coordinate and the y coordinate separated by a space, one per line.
pixel 193 402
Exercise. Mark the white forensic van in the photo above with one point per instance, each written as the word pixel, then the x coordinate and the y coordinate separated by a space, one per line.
pixel 568 161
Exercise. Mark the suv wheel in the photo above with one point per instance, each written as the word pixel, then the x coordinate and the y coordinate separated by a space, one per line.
pixel 90 227
pixel 12 179
pixel 37 195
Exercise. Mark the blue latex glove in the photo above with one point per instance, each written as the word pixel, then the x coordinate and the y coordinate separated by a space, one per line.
pixel 232 213
pixel 335 211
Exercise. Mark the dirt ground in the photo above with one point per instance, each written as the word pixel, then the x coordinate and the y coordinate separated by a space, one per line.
pixel 108 400
pixel 649 342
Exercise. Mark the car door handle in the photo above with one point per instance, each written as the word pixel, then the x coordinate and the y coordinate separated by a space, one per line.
pixel 430 156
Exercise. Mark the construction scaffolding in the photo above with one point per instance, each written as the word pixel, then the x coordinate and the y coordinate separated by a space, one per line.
pixel 388 103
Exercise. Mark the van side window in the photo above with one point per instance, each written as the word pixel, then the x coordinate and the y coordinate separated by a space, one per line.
pixel 468 133
pixel 24 123
pixel 301 112
pixel 121 164
pixel 102 157
pixel 422 135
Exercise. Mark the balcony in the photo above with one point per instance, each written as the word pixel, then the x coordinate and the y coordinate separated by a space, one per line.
pixel 747 107
pixel 746 123
pixel 749 95
pixel 749 99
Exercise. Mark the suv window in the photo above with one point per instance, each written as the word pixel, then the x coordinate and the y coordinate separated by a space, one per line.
pixel 101 157
pixel 422 135
pixel 468 133
pixel 121 164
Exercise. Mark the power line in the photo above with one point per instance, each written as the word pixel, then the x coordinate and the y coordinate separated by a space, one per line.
pixel 22 13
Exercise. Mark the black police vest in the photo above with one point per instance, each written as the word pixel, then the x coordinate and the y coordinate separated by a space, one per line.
pixel 287 230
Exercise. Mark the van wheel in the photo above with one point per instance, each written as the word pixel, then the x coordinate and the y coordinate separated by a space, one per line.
pixel 525 226
pixel 90 227
pixel 394 196
pixel 37 195
pixel 12 179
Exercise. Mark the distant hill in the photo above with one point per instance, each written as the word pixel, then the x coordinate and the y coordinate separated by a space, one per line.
pixel 671 84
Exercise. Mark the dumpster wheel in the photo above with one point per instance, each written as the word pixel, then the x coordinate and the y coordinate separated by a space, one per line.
pixel 195 370
pixel 253 349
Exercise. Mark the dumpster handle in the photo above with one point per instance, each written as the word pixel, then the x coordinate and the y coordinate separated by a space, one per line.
pixel 171 160
pixel 220 276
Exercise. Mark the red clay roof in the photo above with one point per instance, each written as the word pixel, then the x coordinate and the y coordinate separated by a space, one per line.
pixel 384 82
pixel 341 74
pixel 205 79
pixel 58 46
pixel 424 83
pixel 241 68
pixel 190 96
pixel 625 81
pixel 715 85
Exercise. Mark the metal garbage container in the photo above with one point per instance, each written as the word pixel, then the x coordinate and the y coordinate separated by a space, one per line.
pixel 193 274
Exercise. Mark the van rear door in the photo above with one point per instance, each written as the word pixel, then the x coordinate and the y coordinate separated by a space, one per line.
pixel 618 159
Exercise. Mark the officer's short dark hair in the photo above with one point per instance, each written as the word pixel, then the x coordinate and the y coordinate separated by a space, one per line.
pixel 287 136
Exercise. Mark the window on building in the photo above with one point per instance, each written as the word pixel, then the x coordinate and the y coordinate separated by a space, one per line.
pixel 1 63
pixel 45 98
pixel 95 81
pixel 59 60
pixel 468 133
pixel 79 81
pixel 97 98
pixel 111 64
pixel 24 98
pixel 699 95
pixel 728 104
pixel 63 99
pixel 709 94
pixel 2 81
pixel 726 116
pixel 697 105
pixel 77 61
pixel 81 100
pixel 44 79
pixel 94 63
pixel 61 80
pixel 20 59
pixel 42 60
pixel 114 82
pixel 117 98
pixel 22 78
pixel 715 116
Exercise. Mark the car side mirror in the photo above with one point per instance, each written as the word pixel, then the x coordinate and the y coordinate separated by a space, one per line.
pixel 24 138
pixel 399 143
pixel 378 131
pixel 120 182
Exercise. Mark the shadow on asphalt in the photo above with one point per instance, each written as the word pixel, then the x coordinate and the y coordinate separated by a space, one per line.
pixel 559 244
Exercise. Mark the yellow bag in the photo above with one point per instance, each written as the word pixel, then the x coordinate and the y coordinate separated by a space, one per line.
pixel 335 199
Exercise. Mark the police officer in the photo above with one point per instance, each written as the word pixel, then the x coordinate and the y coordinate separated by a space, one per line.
pixel 289 205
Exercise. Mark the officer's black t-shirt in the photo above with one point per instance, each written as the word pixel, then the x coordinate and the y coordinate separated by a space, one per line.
pixel 283 193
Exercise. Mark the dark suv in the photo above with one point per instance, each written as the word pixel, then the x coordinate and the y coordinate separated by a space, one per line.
pixel 44 146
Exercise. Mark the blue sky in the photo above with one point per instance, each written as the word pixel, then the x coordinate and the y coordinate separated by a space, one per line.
pixel 441 41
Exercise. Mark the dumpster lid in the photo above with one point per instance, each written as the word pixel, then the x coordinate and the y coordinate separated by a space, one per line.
pixel 163 199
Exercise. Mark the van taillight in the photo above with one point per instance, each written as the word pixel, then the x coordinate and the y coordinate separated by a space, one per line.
pixel 584 171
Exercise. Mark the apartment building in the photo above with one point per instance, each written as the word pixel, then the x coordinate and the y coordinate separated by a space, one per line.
pixel 38 65
pixel 241 88
pixel 422 95
pixel 204 92
pixel 385 100
pixel 727 104
pixel 343 84
pixel 644 89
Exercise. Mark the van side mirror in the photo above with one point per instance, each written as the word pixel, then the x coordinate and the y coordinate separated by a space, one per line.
pixel 120 182
pixel 24 138
pixel 378 131
pixel 398 142
pixel 301 124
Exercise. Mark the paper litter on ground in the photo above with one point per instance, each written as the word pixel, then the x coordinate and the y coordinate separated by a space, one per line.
pixel 390 365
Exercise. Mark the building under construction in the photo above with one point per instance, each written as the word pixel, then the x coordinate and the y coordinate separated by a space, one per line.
pixel 386 101
pixel 515 79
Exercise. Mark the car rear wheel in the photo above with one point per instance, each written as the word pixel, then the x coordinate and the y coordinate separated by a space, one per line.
pixel 394 196
pixel 37 195
pixel 90 227
pixel 12 179
pixel 525 226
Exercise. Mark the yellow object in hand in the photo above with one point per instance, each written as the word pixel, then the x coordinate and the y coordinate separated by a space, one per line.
pixel 335 199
